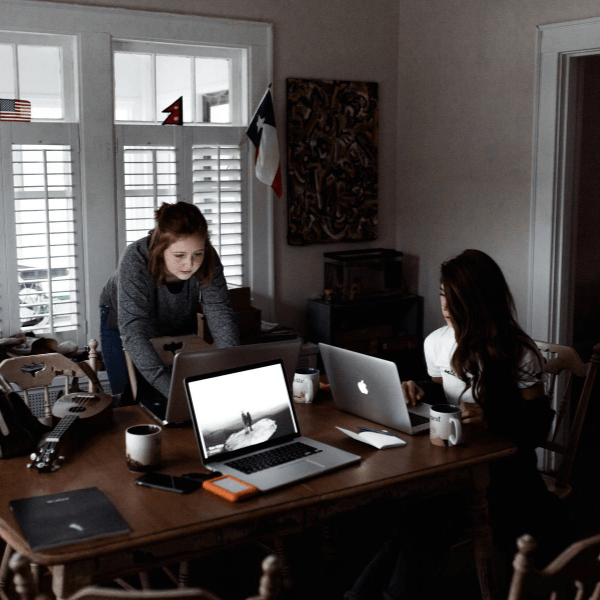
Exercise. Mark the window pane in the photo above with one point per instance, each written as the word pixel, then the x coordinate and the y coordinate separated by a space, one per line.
pixel 173 80
pixel 212 90
pixel 217 193
pixel 146 84
pixel 7 72
pixel 133 87
pixel 45 225
pixel 150 180
pixel 40 80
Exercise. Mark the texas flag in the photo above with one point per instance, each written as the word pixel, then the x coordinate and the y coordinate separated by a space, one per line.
pixel 263 135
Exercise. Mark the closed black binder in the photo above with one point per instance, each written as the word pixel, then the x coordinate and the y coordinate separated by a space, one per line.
pixel 60 519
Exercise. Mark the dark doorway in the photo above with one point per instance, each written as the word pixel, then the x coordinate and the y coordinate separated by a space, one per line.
pixel 586 239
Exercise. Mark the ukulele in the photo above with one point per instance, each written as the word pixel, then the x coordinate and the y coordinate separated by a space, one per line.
pixel 93 410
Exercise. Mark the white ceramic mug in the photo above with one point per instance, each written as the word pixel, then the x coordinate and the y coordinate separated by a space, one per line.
pixel 306 385
pixel 143 447
pixel 445 427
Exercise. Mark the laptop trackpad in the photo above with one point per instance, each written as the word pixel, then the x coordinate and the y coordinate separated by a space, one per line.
pixel 305 467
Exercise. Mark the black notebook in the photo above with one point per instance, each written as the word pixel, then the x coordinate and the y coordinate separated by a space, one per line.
pixel 60 519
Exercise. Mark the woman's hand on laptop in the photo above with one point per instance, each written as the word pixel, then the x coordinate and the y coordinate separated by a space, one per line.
pixel 412 392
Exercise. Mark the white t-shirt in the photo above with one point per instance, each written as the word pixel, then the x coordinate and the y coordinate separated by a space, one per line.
pixel 439 348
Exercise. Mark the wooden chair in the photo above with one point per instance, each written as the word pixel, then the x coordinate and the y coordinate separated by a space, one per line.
pixel 575 573
pixel 567 431
pixel 27 588
pixel 40 370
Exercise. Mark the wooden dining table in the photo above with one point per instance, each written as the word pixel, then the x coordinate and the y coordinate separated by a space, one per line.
pixel 167 528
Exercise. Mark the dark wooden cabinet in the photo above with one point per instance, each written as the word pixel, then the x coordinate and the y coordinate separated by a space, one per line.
pixel 390 327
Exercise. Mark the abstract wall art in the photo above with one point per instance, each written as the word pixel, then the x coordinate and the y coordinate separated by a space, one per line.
pixel 332 151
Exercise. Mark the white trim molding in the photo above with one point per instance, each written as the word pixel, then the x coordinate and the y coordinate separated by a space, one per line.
pixel 553 204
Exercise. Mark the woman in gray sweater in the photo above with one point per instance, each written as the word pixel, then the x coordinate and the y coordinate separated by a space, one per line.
pixel 155 292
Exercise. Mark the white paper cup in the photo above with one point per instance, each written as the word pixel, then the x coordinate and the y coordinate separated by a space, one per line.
pixel 143 447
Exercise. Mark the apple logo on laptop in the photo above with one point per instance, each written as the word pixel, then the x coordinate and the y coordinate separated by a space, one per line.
pixel 362 386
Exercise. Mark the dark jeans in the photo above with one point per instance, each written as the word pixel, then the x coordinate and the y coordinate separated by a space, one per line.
pixel 113 355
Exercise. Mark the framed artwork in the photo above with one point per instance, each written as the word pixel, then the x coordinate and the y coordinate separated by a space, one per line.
pixel 332 151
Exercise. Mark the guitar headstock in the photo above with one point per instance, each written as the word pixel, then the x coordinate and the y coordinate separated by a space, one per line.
pixel 46 459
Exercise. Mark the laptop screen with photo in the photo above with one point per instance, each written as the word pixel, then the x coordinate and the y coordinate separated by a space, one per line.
pixel 240 410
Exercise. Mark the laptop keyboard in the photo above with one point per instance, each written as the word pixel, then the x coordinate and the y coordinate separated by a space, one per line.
pixel 272 458
pixel 416 419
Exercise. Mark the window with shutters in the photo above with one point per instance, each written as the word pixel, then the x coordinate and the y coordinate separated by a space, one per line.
pixel 150 77
pixel 41 246
pixel 45 237
pixel 83 178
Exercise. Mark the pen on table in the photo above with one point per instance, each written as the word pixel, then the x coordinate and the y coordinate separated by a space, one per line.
pixel 385 432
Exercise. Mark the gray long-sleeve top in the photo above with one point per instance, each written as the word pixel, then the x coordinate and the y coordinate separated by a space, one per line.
pixel 140 310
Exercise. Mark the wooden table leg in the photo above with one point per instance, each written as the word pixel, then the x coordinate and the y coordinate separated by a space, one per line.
pixel 184 574
pixel 483 546
pixel 286 567
pixel 4 571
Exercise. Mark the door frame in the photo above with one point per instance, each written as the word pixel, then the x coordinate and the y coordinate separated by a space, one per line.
pixel 554 205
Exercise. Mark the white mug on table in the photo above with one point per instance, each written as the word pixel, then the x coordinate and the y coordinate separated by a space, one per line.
pixel 143 447
pixel 306 384
pixel 445 427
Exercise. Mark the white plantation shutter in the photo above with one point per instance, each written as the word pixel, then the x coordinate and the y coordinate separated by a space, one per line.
pixel 217 191
pixel 150 178
pixel 45 235
pixel 189 164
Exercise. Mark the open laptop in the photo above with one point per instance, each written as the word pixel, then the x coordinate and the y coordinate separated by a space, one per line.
pixel 246 426
pixel 370 387
pixel 174 409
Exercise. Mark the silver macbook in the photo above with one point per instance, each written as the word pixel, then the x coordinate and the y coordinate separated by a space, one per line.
pixel 174 409
pixel 370 387
pixel 246 427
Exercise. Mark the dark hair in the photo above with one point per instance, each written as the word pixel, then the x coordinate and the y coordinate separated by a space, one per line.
pixel 489 340
pixel 174 222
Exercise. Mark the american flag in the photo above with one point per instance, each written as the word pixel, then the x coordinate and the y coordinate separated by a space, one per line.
pixel 15 110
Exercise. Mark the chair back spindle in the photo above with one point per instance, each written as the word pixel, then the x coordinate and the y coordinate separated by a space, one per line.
pixel 566 432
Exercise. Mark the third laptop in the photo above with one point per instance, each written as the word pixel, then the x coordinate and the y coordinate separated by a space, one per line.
pixel 370 387
pixel 246 426
pixel 174 409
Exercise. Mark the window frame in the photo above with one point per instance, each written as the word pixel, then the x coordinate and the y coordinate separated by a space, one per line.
pixel 46 134
pixel 238 75
pixel 66 44
pixel 98 143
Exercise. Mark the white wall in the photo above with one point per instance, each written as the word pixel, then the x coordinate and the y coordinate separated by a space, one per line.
pixel 456 157
pixel 465 130
pixel 322 39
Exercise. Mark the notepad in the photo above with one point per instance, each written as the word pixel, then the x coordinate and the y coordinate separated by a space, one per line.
pixel 56 520
pixel 379 440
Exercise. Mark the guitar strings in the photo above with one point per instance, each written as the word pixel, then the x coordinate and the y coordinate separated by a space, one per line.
pixel 79 400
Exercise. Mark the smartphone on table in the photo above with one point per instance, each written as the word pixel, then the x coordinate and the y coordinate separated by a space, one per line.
pixel 170 483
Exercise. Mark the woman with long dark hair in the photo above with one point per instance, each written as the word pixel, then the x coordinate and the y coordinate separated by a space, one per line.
pixel 156 290
pixel 483 361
